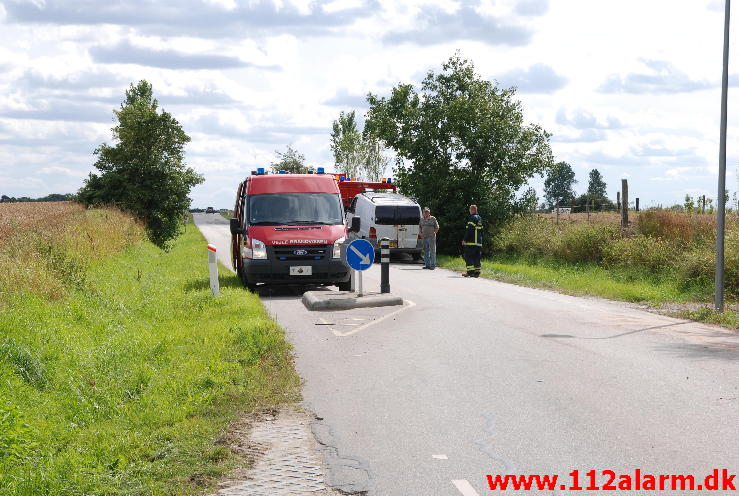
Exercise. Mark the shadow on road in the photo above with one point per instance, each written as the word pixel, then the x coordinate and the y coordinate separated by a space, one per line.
pixel 715 350
pixel 287 292
pixel 616 335
pixel 720 351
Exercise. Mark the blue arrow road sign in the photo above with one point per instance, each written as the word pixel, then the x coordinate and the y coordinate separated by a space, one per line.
pixel 360 254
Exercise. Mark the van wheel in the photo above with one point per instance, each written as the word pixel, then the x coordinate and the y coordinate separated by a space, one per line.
pixel 345 286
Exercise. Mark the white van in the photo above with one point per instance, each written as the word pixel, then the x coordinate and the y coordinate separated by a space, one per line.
pixel 387 215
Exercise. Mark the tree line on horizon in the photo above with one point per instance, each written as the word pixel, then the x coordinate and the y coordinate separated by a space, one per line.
pixel 53 197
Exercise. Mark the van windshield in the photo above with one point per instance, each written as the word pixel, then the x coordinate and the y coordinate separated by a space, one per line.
pixel 397 215
pixel 294 209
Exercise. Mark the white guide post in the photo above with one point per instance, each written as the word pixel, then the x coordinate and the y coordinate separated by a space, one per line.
pixel 213 269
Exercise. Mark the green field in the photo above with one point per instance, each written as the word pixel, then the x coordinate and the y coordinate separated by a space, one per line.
pixel 124 383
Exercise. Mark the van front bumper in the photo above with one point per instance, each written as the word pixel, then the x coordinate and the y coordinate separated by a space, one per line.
pixel 330 271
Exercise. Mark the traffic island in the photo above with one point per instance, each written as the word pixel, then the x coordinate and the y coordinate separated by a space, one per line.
pixel 346 300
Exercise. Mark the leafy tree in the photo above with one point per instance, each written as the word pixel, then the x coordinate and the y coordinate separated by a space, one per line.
pixel 375 160
pixel 558 185
pixel 356 153
pixel 347 144
pixel 291 161
pixel 459 140
pixel 597 203
pixel 144 172
pixel 596 185
pixel 528 201
pixel 689 204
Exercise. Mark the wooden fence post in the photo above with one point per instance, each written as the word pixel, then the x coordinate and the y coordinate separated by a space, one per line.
pixel 637 204
pixel 624 203
pixel 618 200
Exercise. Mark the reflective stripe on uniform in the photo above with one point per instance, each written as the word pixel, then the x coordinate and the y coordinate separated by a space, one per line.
pixel 473 244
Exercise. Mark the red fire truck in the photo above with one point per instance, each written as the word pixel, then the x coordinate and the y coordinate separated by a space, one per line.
pixel 350 187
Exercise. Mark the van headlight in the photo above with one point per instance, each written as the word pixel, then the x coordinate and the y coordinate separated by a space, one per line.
pixel 337 248
pixel 258 250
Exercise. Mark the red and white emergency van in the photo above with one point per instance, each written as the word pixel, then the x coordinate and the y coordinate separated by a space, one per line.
pixel 288 229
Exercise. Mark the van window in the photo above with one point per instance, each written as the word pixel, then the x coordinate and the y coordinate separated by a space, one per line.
pixel 278 209
pixel 397 215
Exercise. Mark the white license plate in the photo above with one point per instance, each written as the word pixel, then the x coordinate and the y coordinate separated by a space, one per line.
pixel 301 270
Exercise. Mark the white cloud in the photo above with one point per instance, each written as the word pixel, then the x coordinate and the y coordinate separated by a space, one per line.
pixel 339 5
pixel 226 4
pixel 56 97
pixel 55 171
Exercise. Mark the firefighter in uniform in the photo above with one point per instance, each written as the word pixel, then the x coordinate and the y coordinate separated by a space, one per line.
pixel 473 243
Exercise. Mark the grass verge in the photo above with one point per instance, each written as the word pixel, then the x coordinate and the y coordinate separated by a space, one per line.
pixel 591 280
pixel 124 385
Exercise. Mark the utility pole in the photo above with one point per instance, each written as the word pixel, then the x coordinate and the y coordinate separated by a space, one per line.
pixel 720 215
pixel 624 203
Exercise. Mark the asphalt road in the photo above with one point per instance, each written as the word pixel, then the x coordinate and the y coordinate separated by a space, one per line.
pixel 478 377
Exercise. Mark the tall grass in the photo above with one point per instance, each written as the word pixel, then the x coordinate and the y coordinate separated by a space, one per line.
pixel 121 380
pixel 659 244
pixel 46 248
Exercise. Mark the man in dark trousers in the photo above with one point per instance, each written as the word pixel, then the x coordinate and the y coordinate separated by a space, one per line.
pixel 473 243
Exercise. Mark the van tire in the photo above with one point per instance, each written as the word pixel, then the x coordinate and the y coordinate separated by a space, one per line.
pixel 249 286
pixel 345 286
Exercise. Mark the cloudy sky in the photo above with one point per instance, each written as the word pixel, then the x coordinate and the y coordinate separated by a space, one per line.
pixel 630 87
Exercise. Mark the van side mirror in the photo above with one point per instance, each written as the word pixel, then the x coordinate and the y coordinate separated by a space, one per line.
pixel 236 227
pixel 356 225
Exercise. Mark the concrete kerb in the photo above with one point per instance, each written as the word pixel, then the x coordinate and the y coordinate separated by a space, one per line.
pixel 346 300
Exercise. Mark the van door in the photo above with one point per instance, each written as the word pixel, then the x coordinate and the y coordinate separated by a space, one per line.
pixel 385 224
pixel 408 217
pixel 408 236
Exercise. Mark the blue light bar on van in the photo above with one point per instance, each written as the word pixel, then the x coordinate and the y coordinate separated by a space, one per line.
pixel 342 178
pixel 389 179
pixel 283 172
pixel 320 170
pixel 260 171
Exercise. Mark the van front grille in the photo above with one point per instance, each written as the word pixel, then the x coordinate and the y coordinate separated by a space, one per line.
pixel 300 252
